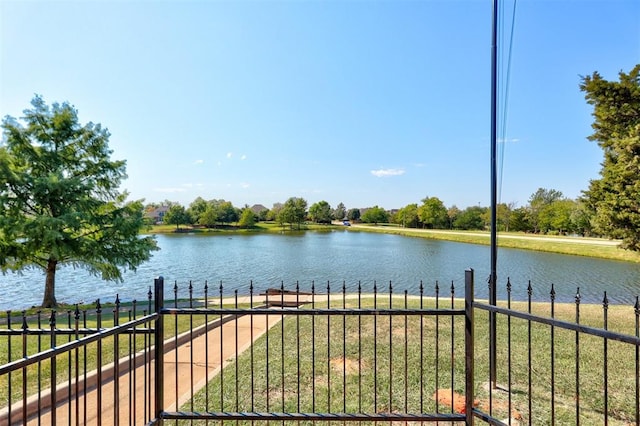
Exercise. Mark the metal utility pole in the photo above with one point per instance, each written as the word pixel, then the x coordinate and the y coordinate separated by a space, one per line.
pixel 494 193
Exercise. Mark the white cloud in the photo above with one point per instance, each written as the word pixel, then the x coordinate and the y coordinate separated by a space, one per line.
pixel 229 154
pixel 199 162
pixel 244 185
pixel 219 163
pixel 387 172
pixel 508 140
pixel 244 157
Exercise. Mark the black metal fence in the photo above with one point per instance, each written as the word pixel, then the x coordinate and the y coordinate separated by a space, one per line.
pixel 562 363
pixel 82 366
pixel 325 355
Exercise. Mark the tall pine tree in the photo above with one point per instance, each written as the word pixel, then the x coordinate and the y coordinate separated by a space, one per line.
pixel 614 199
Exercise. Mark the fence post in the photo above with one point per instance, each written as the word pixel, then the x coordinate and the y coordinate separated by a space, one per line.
pixel 469 346
pixel 159 349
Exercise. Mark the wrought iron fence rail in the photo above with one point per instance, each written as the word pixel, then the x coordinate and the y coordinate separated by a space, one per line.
pixel 314 417
pixel 487 418
pixel 583 329
pixel 67 331
pixel 314 311
pixel 101 334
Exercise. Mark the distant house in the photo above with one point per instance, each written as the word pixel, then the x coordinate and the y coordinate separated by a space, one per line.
pixel 258 208
pixel 156 214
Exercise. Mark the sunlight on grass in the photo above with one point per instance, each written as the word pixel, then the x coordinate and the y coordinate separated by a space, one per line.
pixel 378 364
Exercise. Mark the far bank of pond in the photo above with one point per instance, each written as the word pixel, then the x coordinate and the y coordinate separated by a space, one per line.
pixel 578 246
pixel 333 260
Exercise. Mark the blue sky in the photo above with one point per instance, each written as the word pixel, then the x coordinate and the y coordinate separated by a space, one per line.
pixel 361 102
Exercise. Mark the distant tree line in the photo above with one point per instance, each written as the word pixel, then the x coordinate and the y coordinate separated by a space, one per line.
pixel 547 212
pixel 219 213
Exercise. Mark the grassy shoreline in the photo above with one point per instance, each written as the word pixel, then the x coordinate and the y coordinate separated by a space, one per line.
pixel 577 246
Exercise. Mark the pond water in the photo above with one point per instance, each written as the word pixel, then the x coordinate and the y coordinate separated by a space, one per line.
pixel 334 258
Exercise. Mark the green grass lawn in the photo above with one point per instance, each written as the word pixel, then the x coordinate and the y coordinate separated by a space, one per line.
pixel 374 364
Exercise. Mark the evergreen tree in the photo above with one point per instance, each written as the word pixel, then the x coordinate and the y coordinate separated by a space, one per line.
pixel 60 199
pixel 614 199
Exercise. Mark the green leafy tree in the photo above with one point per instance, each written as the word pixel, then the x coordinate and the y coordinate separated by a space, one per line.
pixel 614 199
pixel 209 217
pixel 452 214
pixel 556 217
pixel 471 218
pixel 538 201
pixel 353 215
pixel 263 215
pixel 247 219
pixel 320 212
pixel 581 219
pixel 340 212
pixel 433 213
pixel 294 212
pixel 177 215
pixel 375 215
pixel 503 215
pixel 196 209
pixel 274 213
pixel 60 199
pixel 519 220
pixel 227 213
pixel 407 217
